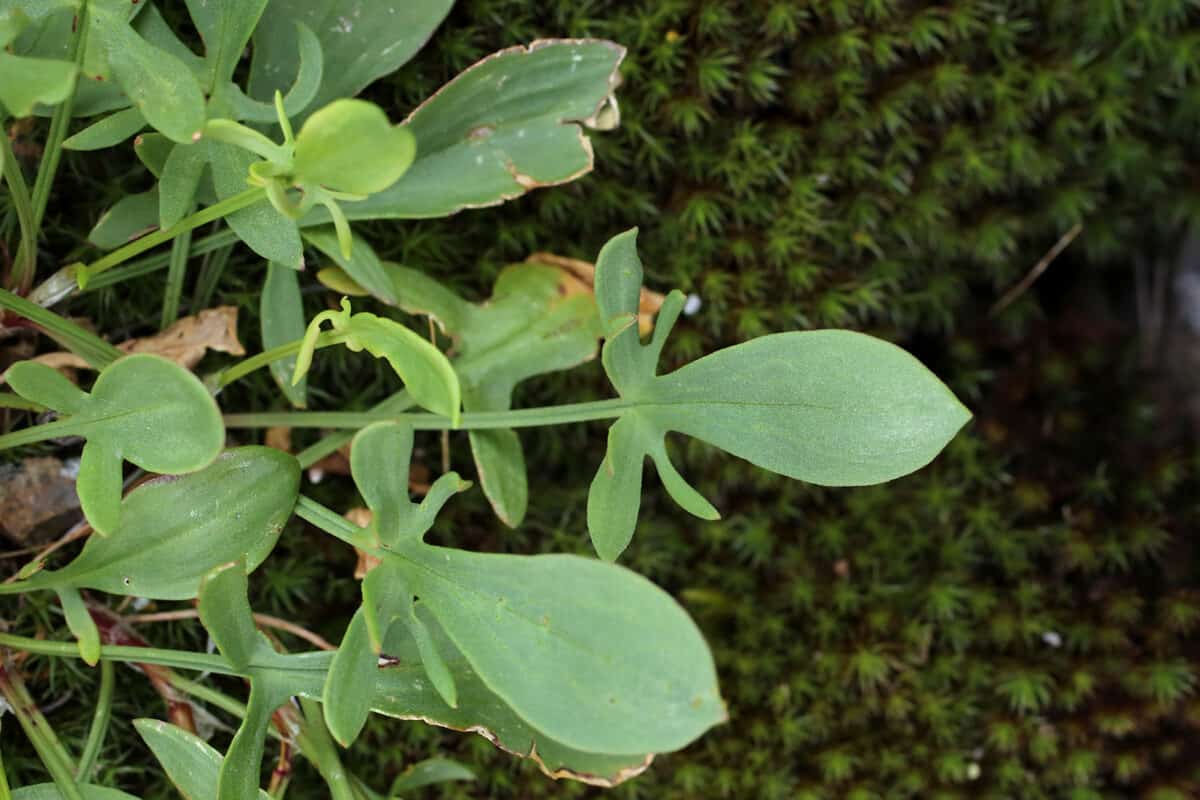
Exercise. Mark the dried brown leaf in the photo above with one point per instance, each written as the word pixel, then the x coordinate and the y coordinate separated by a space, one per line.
pixel 583 275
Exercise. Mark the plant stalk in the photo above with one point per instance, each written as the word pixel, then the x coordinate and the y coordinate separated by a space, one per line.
pixel 26 260
pixel 84 272
pixel 49 749
pixel 100 722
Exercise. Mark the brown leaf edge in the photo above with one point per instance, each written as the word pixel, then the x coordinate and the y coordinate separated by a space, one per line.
pixel 593 121
pixel 558 773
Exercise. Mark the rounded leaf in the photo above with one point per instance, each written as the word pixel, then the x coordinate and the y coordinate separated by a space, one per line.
pixel 351 146
pixel 591 654
pixel 173 531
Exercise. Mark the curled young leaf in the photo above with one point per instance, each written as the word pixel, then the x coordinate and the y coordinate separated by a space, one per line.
pixel 233 509
pixel 836 408
pixel 426 372
pixel 142 409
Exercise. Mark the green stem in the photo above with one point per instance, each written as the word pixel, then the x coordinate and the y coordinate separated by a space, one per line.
pixel 180 251
pixel 62 284
pixel 5 792
pixel 84 272
pixel 183 659
pixel 483 420
pixel 60 122
pixel 87 345
pixel 266 357
pixel 318 747
pixel 100 721
pixel 18 191
pixel 310 455
pixel 37 728
pixel 211 270
pixel 39 433
pixel 10 400
pixel 333 523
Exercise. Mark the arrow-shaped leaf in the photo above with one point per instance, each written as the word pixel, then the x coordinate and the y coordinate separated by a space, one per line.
pixel 835 408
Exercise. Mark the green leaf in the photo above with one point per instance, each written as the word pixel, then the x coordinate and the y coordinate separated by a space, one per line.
pixel 152 150
pixel 363 266
pixel 179 182
pixel 173 531
pixel 190 762
pixel 48 791
pixel 25 82
pixel 161 86
pixel 379 460
pixel 143 409
pixel 589 653
pixel 226 613
pixel 510 123
pixel 351 146
pixel 429 772
pixel 274 677
pixel 537 321
pixel 132 216
pixel 281 312
pixel 426 372
pixel 349 686
pixel 263 229
pixel 225 27
pixel 403 691
pixel 835 408
pixel 303 91
pixel 107 132
pixel 81 624
pixel 361 42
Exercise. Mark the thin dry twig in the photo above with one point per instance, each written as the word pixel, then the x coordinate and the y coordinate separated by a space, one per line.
pixel 1038 268
pixel 266 620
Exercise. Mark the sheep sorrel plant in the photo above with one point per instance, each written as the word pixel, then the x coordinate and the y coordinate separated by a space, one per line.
pixel 578 664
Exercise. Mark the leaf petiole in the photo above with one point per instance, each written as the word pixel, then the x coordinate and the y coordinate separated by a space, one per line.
pixel 482 420
pixel 244 199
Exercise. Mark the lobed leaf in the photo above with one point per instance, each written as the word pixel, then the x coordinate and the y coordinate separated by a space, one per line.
pixel 143 409
pixel 836 408
pixel 538 320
